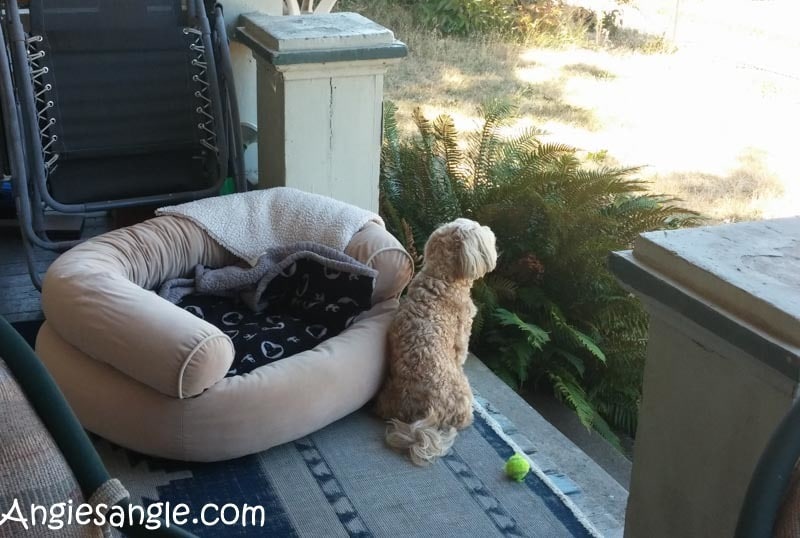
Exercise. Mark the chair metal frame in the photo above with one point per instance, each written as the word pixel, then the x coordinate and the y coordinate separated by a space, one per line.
pixel 771 478
pixel 24 102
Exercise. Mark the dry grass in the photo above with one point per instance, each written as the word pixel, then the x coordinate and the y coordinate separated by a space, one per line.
pixel 710 129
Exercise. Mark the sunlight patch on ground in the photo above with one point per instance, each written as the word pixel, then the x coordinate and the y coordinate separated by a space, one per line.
pixel 713 129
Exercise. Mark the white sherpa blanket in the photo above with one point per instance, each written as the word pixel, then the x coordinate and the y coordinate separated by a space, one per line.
pixel 249 223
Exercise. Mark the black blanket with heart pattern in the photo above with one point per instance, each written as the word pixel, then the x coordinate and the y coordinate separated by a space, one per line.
pixel 308 303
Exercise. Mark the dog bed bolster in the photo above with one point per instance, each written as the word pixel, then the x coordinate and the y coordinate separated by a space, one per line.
pixel 373 246
pixel 96 297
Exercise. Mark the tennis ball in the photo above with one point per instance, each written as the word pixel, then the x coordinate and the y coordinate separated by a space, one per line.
pixel 517 467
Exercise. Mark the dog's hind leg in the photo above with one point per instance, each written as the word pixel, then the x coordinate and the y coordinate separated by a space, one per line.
pixel 463 418
pixel 462 412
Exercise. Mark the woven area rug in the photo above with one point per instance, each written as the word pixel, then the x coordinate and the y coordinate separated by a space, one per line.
pixel 343 481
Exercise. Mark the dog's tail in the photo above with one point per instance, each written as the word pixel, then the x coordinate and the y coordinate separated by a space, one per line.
pixel 423 440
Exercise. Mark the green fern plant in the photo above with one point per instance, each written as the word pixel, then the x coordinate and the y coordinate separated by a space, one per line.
pixel 551 314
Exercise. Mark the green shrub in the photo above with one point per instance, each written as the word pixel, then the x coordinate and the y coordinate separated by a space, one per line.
pixel 551 22
pixel 547 22
pixel 467 17
pixel 550 314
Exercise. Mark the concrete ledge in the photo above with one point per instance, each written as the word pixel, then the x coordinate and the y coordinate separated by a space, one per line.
pixel 760 345
pixel 750 269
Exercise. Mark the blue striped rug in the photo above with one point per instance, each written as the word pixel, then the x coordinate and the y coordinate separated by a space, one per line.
pixel 343 481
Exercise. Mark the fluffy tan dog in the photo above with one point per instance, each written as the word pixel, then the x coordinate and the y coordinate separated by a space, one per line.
pixel 426 397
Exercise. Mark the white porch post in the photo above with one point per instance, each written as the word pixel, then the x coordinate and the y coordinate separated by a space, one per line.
pixel 320 95
pixel 723 364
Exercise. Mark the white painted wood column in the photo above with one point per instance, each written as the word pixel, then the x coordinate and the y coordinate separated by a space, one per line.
pixel 723 364
pixel 320 97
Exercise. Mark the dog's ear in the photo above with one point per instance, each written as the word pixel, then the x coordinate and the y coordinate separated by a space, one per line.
pixel 478 254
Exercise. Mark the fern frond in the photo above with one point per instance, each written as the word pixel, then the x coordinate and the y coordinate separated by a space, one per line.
pixel 391 132
pixel 551 152
pixel 503 288
pixel 570 392
pixel 447 136
pixel 602 427
pixel 484 148
pixel 587 343
pixel 423 124
pixel 574 361
pixel 408 240
pixel 536 336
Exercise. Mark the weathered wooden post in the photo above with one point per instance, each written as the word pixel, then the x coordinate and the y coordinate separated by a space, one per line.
pixel 723 364
pixel 320 96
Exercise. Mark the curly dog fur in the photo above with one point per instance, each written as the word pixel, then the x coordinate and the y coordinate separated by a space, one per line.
pixel 426 397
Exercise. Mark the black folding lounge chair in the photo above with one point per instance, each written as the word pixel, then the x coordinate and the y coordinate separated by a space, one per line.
pixel 110 104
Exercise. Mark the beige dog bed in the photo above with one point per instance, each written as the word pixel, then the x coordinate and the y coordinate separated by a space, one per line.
pixel 146 374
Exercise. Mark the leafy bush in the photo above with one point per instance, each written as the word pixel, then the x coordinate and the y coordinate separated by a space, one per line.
pixel 538 21
pixel 467 17
pixel 551 313
pixel 551 22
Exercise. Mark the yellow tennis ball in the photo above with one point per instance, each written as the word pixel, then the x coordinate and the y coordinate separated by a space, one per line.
pixel 517 467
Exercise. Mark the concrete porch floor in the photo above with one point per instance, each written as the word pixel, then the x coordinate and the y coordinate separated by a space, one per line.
pixel 595 475
pixel 600 497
